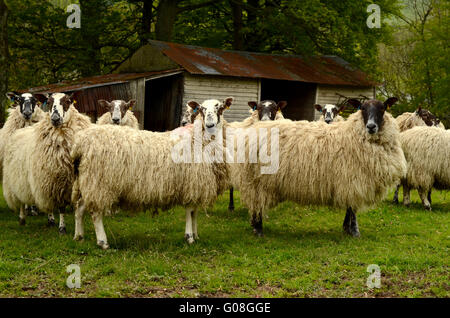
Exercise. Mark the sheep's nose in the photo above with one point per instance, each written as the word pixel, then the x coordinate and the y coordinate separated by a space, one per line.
pixel 55 118
pixel 116 121
pixel 183 123
pixel 209 125
pixel 328 121
pixel 371 127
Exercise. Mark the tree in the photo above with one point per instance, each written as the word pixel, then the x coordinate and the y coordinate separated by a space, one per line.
pixel 4 60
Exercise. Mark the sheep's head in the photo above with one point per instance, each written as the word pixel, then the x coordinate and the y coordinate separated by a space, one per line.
pixel 212 112
pixel 267 109
pixel 59 108
pixel 117 108
pixel 27 102
pixel 329 111
pixel 429 118
pixel 189 115
pixel 373 112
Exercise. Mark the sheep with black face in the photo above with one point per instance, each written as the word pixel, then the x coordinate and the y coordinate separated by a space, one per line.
pixel 365 147
pixel 330 113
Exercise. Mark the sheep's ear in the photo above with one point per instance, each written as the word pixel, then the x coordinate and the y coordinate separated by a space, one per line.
pixel 389 102
pixel 318 107
pixel 104 104
pixel 74 96
pixel 227 102
pixel 131 104
pixel 282 104
pixel 355 103
pixel 418 110
pixel 193 104
pixel 12 96
pixel 253 105
pixel 41 97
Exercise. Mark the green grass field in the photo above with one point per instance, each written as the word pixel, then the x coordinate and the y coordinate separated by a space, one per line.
pixel 304 253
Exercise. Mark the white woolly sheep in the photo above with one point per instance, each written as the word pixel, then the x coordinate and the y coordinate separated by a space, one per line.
pixel 427 151
pixel 122 167
pixel 364 150
pixel 37 165
pixel 407 120
pixel 330 113
pixel 262 111
pixel 25 114
pixel 118 113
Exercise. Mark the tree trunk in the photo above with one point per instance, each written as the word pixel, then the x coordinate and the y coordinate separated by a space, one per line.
pixel 4 60
pixel 146 21
pixel 238 37
pixel 165 19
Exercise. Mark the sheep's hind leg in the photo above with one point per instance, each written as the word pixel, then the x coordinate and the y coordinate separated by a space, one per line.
pixel 351 224
pixel 396 194
pixel 62 224
pixel 79 229
pixel 406 197
pixel 22 214
pixel 257 224
pixel 231 204
pixel 194 224
pixel 429 196
pixel 102 241
pixel 189 233
pixel 424 197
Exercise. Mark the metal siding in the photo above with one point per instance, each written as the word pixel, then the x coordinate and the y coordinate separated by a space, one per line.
pixel 200 88
pixel 326 94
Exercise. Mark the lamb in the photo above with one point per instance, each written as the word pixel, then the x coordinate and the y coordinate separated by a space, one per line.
pixel 330 113
pixel 118 113
pixel 262 111
pixel 363 154
pixel 25 114
pixel 121 167
pixel 407 120
pixel 38 170
pixel 427 151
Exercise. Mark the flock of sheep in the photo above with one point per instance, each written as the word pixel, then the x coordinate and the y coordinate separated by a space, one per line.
pixel 58 158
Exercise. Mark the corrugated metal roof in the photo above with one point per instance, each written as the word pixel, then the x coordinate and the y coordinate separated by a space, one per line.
pixel 96 81
pixel 331 70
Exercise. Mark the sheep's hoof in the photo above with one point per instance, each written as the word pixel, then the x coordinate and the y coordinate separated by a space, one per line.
pixel 427 207
pixel 189 238
pixel 196 236
pixel 103 245
pixel 352 232
pixel 51 223
pixel 406 204
pixel 395 201
pixel 231 209
pixel 78 237
pixel 62 230
pixel 155 212
pixel 21 221
pixel 34 211
pixel 258 232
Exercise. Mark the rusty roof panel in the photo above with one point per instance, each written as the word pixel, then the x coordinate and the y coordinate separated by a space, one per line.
pixel 95 81
pixel 208 61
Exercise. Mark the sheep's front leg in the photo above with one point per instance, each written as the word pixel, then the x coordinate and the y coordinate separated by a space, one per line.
pixel 79 213
pixel 102 241
pixel 429 196
pixel 231 204
pixel 351 224
pixel 22 215
pixel 257 224
pixel 396 194
pixel 62 224
pixel 50 219
pixel 406 197
pixel 189 233
pixel 424 197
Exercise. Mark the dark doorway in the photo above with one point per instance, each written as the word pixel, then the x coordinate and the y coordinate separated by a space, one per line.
pixel 300 97
pixel 163 103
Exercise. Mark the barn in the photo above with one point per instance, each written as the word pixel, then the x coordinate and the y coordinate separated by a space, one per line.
pixel 163 76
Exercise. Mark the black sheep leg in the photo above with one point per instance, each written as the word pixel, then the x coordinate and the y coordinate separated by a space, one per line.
pixel 257 224
pixel 350 223
pixel 231 204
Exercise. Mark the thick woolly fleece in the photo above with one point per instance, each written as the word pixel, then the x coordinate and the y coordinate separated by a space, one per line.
pixel 128 120
pixel 38 168
pixel 14 122
pixel 408 120
pixel 338 165
pixel 427 151
pixel 133 169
